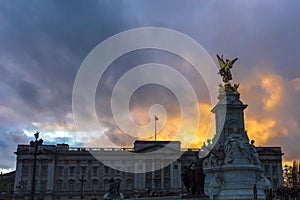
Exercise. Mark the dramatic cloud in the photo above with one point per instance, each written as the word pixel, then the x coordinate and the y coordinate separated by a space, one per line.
pixel 272 118
pixel 44 43
pixel 7 150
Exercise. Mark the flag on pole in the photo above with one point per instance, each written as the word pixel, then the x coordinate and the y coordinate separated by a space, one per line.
pixel 156 118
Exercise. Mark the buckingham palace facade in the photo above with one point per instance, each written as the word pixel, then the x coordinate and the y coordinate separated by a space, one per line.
pixel 64 172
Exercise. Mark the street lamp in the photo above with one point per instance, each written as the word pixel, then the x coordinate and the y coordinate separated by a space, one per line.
pixel 82 180
pixel 35 150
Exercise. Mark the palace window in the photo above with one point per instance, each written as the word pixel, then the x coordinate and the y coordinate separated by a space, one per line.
pixel 44 170
pixel 60 170
pixel 106 170
pixel 25 170
pixel 167 183
pixel 267 168
pixel 83 170
pixel 129 184
pixel 43 186
pixel 95 185
pixel 72 170
pixel 71 185
pixel 148 183
pixel 95 171
pixel 106 185
pixel 58 186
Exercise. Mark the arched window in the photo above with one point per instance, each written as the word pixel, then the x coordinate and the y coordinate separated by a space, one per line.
pixel 129 184
pixel 106 170
pixel 95 170
pixel 43 186
pixel 58 185
pixel 106 184
pixel 95 185
pixel 71 185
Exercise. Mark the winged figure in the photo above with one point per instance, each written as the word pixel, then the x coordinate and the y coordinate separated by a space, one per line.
pixel 225 67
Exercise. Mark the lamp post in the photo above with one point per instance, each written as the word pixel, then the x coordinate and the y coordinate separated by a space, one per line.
pixel 34 148
pixel 82 180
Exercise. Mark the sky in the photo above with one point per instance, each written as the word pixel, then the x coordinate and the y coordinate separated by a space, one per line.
pixel 43 44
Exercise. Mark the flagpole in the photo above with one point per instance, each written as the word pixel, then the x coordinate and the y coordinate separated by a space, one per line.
pixel 155 129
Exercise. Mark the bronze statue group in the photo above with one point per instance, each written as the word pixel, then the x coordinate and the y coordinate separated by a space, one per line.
pixel 193 176
pixel 114 190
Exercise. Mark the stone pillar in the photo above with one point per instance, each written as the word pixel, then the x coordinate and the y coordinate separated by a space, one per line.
pixel 153 175
pixel 39 175
pixel 172 181
pixel 280 174
pixel 136 177
pixel 175 171
pixel 179 175
pixel 143 175
pixel 18 175
pixel 50 175
pixel 162 177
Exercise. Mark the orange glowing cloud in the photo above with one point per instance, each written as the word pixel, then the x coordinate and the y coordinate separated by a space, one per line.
pixel 271 118
pixel 260 129
pixel 190 137
pixel 272 84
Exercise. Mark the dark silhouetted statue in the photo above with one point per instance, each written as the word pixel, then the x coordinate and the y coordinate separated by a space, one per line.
pixel 193 176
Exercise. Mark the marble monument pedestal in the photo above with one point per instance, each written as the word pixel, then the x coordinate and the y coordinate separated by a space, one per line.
pixel 237 182
pixel 233 168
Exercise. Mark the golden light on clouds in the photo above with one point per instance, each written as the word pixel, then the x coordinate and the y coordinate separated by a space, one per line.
pixel 206 128
pixel 272 85
pixel 264 94
pixel 168 129
pixel 260 130
pixel 188 138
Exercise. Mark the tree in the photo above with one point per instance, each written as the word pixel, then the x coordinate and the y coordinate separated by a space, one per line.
pixel 291 175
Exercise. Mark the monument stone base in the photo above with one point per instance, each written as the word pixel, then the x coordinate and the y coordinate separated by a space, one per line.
pixel 235 182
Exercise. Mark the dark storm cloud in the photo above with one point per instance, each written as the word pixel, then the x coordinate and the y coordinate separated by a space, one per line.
pixel 253 31
pixel 7 150
pixel 149 94
pixel 45 44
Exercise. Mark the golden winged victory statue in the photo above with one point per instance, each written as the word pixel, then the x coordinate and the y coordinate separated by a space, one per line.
pixel 225 72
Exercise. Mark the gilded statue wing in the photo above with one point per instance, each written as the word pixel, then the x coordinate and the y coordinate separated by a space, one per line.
pixel 221 61
pixel 233 61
